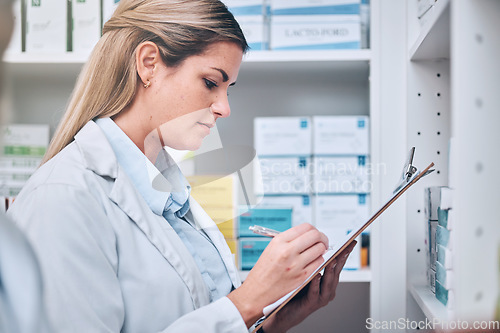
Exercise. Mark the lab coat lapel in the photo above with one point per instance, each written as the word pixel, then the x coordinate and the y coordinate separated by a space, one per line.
pixel 203 221
pixel 100 158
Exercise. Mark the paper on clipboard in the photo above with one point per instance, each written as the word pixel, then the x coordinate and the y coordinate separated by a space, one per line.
pixel 337 248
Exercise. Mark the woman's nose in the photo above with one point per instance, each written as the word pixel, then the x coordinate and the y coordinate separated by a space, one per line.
pixel 221 108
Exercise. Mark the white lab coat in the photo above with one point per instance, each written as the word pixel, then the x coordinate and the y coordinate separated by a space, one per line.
pixel 109 263
pixel 21 306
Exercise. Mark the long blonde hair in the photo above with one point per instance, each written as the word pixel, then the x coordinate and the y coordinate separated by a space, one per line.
pixel 107 82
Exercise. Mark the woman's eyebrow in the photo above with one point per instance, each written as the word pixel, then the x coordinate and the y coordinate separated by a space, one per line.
pixel 225 77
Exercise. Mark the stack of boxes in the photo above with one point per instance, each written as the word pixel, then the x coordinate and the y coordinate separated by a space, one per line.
pixel 252 245
pixel 439 234
pixel 341 178
pixel 58 26
pixel 23 150
pixel 320 167
pixel 217 196
pixel 315 24
pixel 252 15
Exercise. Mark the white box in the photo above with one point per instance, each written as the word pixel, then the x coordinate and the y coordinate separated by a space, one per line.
pixel 247 7
pixel 108 8
pixel 86 24
pixel 315 32
pixel 255 31
pixel 315 7
pixel 301 205
pixel 341 174
pixel 284 175
pixel 282 136
pixel 347 211
pixel 15 44
pixel 341 135
pixel 46 26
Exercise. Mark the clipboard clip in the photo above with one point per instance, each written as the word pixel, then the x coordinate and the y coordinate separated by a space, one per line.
pixel 409 171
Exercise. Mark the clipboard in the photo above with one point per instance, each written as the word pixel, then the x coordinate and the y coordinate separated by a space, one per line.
pixel 410 177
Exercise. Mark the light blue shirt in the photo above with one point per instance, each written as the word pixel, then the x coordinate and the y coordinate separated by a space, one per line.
pixel 172 205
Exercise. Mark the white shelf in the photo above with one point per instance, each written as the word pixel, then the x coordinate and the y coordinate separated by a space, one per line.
pixel 362 275
pixel 433 41
pixel 434 310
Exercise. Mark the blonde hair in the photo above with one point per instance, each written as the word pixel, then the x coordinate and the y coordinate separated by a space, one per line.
pixel 107 83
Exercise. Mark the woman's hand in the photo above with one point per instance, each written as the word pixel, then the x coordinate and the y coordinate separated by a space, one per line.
pixel 289 259
pixel 319 292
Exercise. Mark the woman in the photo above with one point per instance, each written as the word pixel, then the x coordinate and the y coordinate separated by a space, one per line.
pixel 118 253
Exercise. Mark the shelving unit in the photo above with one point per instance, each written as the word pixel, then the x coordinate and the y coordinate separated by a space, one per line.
pixel 295 83
pixel 452 70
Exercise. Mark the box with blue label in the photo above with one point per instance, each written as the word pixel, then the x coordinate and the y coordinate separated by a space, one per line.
pixel 47 26
pixel 348 174
pixel 301 205
pixel 315 32
pixel 315 7
pixel 341 135
pixel 86 25
pixel 348 211
pixel 282 136
pixel 247 7
pixel 255 30
pixel 250 250
pixel 284 175
pixel 276 218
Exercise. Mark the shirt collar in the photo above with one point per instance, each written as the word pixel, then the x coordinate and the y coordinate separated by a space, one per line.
pixel 162 185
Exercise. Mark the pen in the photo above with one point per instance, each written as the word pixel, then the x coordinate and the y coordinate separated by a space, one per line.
pixel 259 230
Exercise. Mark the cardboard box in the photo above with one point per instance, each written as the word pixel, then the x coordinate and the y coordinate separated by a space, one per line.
pixel 276 218
pixel 346 211
pixel 255 30
pixel 283 136
pixel 341 174
pixel 315 7
pixel 302 208
pixel 250 250
pixel 86 24
pixel 315 32
pixel 284 175
pixel 108 8
pixel 47 26
pixel 341 135
pixel 247 7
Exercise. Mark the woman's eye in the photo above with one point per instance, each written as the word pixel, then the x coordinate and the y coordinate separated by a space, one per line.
pixel 210 84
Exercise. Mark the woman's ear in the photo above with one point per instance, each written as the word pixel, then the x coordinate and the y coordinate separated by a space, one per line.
pixel 147 57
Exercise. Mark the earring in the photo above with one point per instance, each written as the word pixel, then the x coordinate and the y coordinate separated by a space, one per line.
pixel 147 85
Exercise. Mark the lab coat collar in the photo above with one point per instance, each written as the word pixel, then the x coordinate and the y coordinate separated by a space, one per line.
pixel 100 158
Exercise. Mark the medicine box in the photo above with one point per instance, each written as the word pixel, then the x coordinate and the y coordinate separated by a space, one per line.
pixel 250 250
pixel 283 136
pixel 15 44
pixel 86 24
pixel 315 32
pixel 224 218
pixel 347 211
pixel 108 8
pixel 283 175
pixel 315 7
pixel 276 218
pixel 212 190
pixel 349 174
pixel 302 208
pixel 47 26
pixel 341 135
pixel 247 7
pixel 255 30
